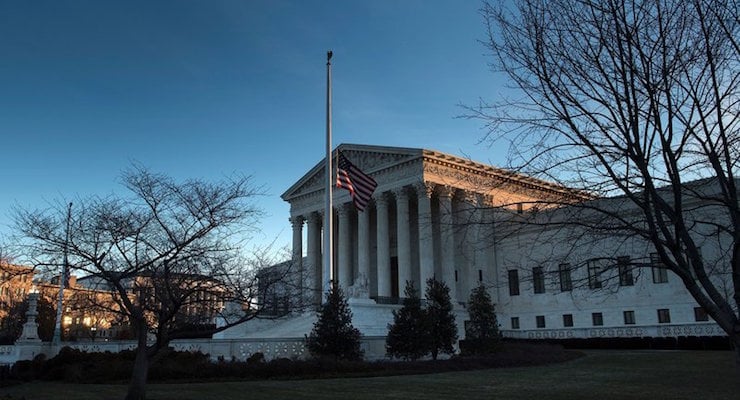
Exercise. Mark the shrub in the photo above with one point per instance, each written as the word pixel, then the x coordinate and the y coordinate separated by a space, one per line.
pixel 442 330
pixel 256 358
pixel 481 332
pixel 333 335
pixel 408 333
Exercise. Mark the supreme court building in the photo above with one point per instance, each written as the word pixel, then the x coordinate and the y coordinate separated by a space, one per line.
pixel 438 215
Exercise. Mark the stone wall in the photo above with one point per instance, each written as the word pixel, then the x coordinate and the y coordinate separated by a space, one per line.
pixel 218 349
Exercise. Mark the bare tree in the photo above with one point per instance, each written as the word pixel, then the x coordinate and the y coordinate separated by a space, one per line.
pixel 165 254
pixel 637 102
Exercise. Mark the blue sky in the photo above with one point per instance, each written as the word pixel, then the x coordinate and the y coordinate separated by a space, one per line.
pixel 206 89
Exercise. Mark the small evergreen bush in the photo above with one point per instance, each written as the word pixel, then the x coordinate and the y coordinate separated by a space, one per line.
pixel 407 336
pixel 333 335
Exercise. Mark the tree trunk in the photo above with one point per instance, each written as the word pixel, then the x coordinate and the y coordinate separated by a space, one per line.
pixel 137 385
pixel 736 343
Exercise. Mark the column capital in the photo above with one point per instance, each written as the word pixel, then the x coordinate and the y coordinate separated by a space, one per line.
pixel 314 217
pixel 470 197
pixel 484 200
pixel 297 221
pixel 446 191
pixel 424 189
pixel 344 209
pixel 400 193
pixel 381 199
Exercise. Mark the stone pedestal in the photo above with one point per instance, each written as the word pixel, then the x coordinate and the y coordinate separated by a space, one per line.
pixel 30 332
pixel 29 344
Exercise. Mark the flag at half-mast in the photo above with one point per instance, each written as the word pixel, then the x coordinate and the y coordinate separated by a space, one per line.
pixel 360 185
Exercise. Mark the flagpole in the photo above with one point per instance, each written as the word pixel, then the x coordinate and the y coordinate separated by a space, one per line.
pixel 328 211
pixel 63 278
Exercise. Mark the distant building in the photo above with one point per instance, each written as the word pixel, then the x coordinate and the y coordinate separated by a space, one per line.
pixel 15 283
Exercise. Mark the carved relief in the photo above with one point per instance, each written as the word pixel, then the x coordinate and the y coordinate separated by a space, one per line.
pixel 371 161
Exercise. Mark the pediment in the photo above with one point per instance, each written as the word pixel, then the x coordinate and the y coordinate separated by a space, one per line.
pixel 370 159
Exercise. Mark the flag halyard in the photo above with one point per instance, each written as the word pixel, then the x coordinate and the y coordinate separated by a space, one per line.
pixel 360 185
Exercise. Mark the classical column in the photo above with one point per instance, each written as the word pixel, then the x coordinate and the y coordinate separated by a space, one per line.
pixel 363 253
pixel 384 254
pixel 426 240
pixel 447 238
pixel 313 253
pixel 487 242
pixel 297 222
pixel 403 246
pixel 344 241
pixel 468 246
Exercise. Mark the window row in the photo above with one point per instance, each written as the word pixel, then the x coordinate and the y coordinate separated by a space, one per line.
pixel 595 268
pixel 597 318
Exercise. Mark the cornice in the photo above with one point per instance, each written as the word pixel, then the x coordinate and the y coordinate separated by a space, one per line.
pixel 383 164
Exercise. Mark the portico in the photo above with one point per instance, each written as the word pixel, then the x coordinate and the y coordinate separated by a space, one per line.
pixel 424 221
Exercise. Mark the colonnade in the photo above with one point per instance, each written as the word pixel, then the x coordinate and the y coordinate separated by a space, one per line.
pixel 409 233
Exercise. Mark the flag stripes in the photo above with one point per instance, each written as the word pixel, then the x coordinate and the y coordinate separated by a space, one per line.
pixel 360 185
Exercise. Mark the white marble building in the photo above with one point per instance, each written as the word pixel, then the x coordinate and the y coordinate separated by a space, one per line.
pixel 434 214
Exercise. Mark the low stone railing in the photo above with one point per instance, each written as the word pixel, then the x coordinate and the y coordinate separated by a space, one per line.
pixel 218 349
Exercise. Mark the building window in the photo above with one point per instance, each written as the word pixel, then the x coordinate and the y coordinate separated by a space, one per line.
pixel 594 272
pixel 538 280
pixel 513 282
pixel 597 318
pixel 455 275
pixel 664 316
pixel 480 275
pixel 514 322
pixel 625 271
pixel 629 317
pixel 692 266
pixel 540 321
pixel 567 320
pixel 660 272
pixel 566 283
pixel 700 315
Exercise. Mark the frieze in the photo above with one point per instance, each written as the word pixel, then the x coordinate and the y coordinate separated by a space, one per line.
pixel 619 332
pixel 484 179
pixel 692 330
pixel 369 162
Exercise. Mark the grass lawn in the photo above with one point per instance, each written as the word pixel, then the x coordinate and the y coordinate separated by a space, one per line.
pixel 603 374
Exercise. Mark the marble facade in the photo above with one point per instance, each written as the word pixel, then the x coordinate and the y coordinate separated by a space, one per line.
pixel 424 221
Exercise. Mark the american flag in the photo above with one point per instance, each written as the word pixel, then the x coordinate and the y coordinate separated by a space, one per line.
pixel 360 185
